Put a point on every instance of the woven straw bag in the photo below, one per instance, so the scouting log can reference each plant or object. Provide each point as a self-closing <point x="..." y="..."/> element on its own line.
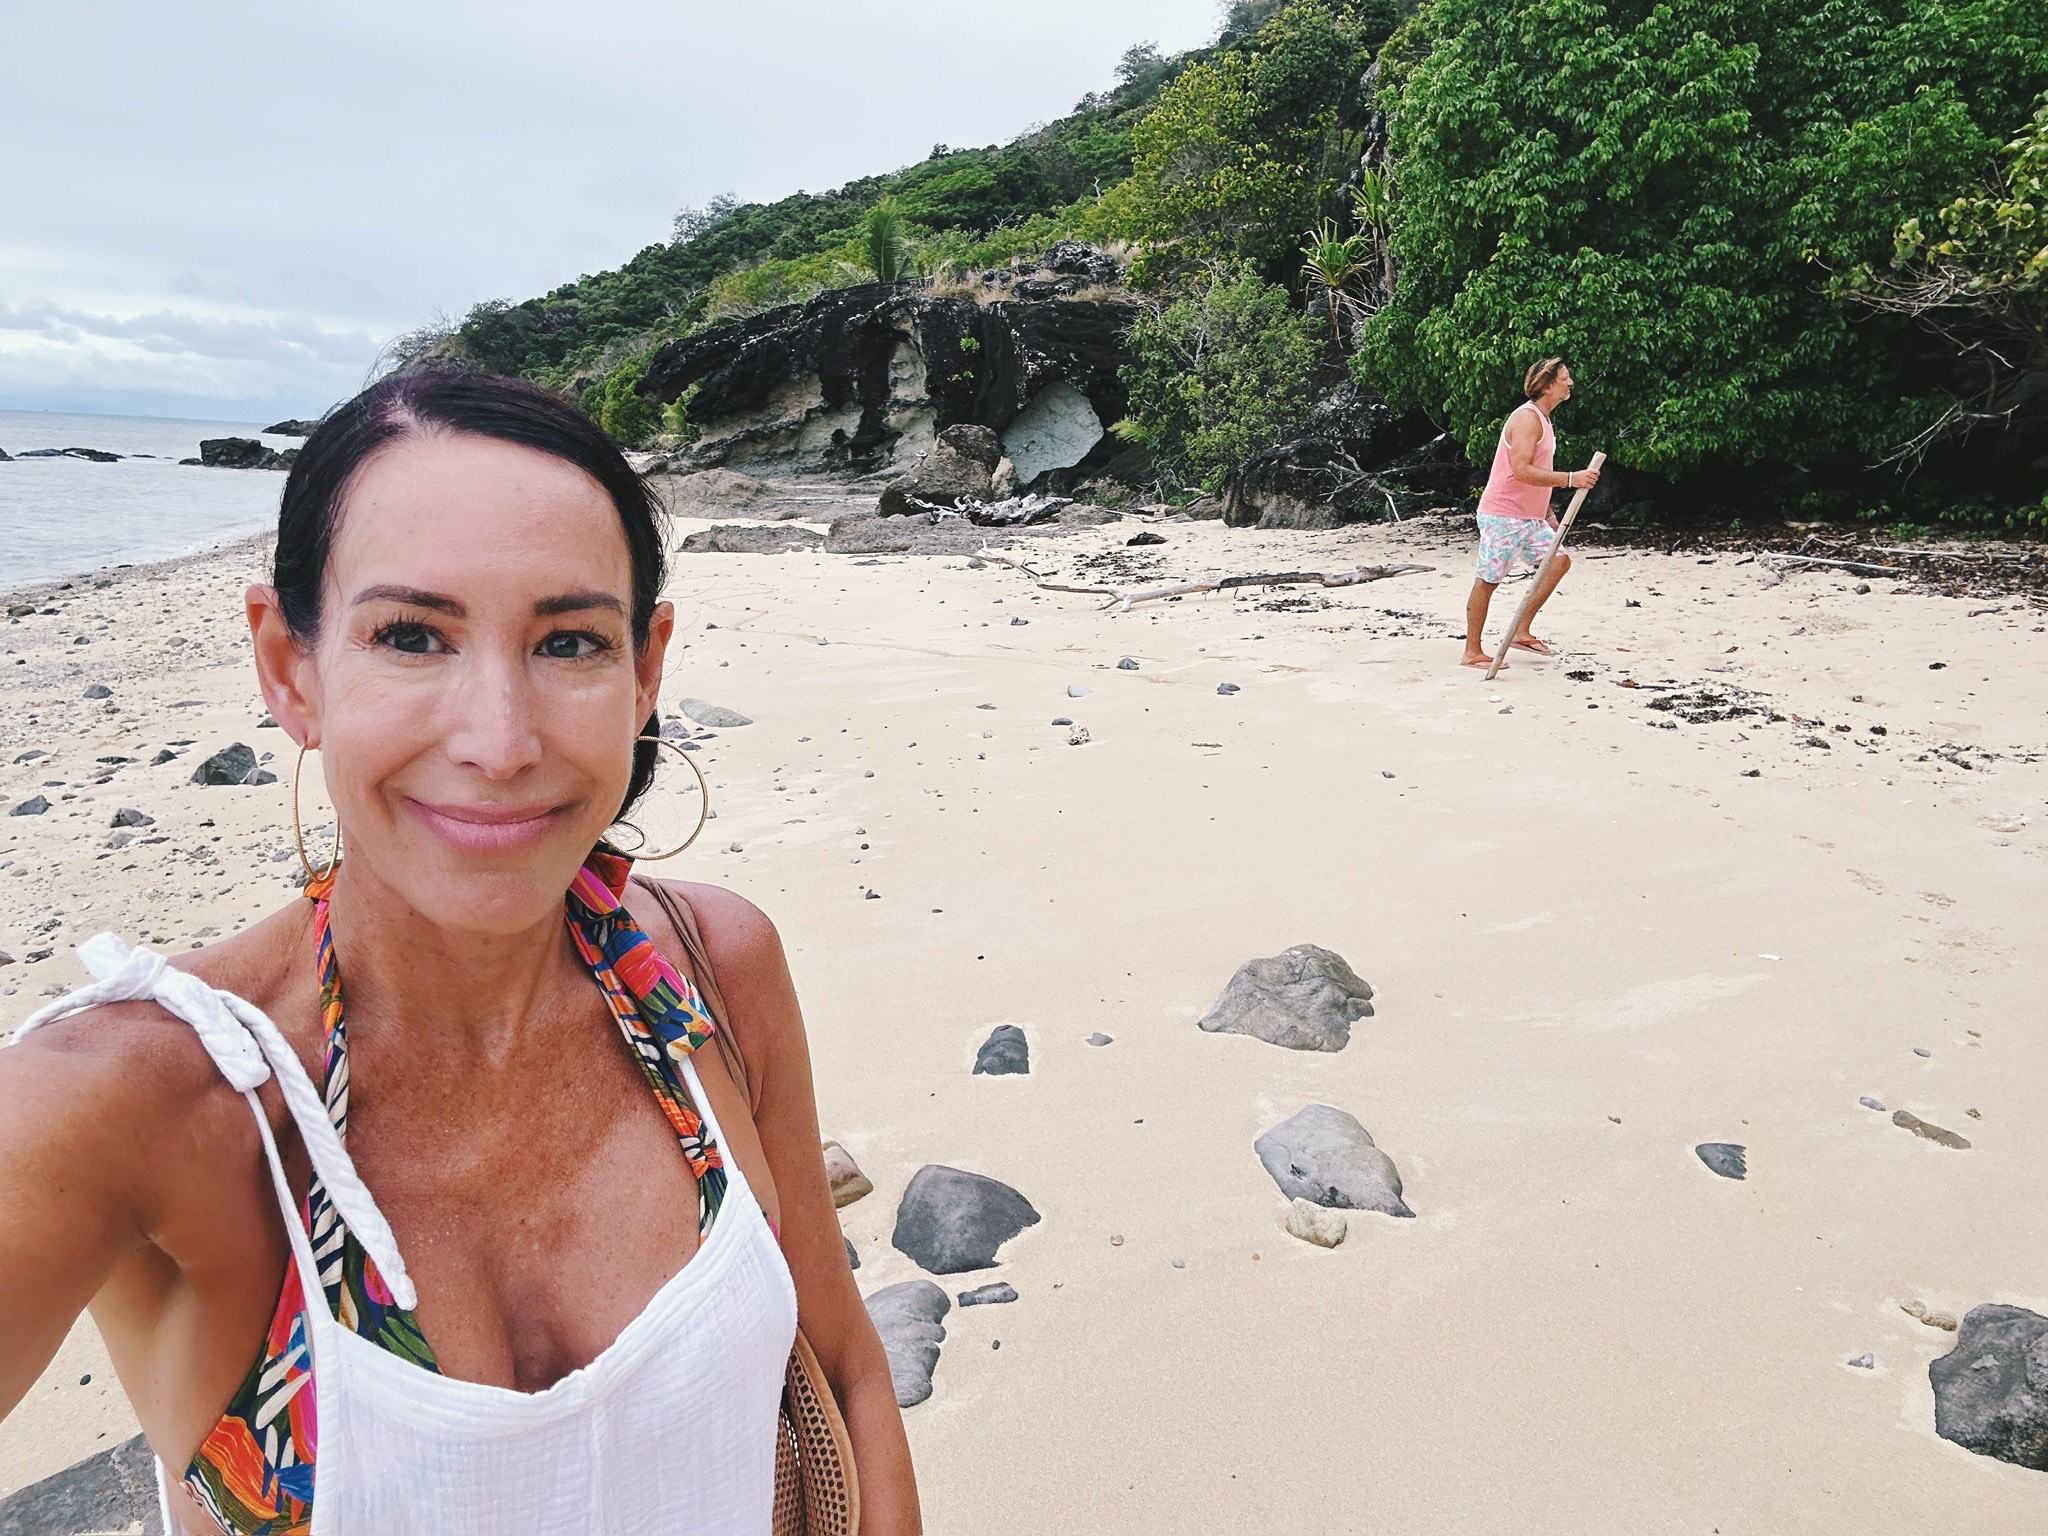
<point x="816" y="1490"/>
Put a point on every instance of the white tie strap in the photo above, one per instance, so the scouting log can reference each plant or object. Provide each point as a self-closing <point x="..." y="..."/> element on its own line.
<point x="248" y="1048"/>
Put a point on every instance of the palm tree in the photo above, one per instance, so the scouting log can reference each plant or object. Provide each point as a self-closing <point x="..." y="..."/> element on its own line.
<point x="1331" y="264"/>
<point x="888" y="248"/>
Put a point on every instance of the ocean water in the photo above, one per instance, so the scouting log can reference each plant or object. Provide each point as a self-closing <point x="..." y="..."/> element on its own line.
<point x="61" y="516"/>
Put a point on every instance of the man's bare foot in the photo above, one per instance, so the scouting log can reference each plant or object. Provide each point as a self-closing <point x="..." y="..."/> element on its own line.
<point x="1477" y="659"/>
<point x="1531" y="643"/>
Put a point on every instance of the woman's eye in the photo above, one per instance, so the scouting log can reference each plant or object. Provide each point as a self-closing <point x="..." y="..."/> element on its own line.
<point x="570" y="646"/>
<point x="412" y="639"/>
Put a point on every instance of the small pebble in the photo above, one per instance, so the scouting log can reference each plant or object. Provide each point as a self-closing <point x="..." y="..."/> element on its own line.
<point x="1078" y="691"/>
<point x="1869" y="1103"/>
<point x="1386" y="773"/>
<point x="1180" y="1263"/>
<point x="1099" y="1038"/>
<point x="1865" y="1362"/>
<point x="1227" y="688"/>
<point x="1014" y="622"/>
<point x="1116" y="1239"/>
<point x="1127" y="665"/>
<point x="1061" y="720"/>
<point x="1921" y="1050"/>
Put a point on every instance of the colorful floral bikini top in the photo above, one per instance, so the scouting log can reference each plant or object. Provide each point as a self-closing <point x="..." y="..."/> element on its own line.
<point x="254" y="1472"/>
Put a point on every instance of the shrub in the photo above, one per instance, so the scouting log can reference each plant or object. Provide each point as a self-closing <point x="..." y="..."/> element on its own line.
<point x="1219" y="373"/>
<point x="617" y="405"/>
<point x="1656" y="189"/>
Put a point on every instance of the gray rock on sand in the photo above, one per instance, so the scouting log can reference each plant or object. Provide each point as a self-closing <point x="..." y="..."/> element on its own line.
<point x="951" y="1221"/>
<point x="1228" y="688"/>
<point x="908" y="1317"/>
<point x="98" y="691"/>
<point x="113" y="1491"/>
<point x="133" y="818"/>
<point x="715" y="716"/>
<point x="995" y="1293"/>
<point x="752" y="539"/>
<point x="232" y="765"/>
<point x="1991" y="1390"/>
<point x="1099" y="1038"/>
<point x="1325" y="1156"/>
<point x="852" y="1257"/>
<point x="1305" y="998"/>
<point x="1726" y="1158"/>
<point x="1869" y="1103"/>
<point x="34" y="805"/>
<point x="1005" y="1053"/>
<point x="1313" y="1223"/>
<point x="843" y="1174"/>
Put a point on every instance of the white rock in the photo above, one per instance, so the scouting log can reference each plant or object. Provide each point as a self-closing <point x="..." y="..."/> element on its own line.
<point x="844" y="1175"/>
<point x="1312" y="1223"/>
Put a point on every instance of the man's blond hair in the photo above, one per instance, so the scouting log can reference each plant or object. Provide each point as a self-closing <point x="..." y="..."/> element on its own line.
<point x="1541" y="376"/>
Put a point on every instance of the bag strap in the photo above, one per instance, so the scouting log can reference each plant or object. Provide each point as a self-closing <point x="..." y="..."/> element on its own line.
<point x="684" y="921"/>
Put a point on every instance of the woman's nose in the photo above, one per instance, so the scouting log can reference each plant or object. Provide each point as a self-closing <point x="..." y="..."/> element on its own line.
<point x="490" y="717"/>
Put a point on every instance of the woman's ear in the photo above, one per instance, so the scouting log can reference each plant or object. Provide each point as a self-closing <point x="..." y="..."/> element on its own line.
<point x="283" y="667"/>
<point x="648" y="659"/>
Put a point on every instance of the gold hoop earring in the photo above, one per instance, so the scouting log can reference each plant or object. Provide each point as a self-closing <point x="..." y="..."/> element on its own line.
<point x="703" y="797"/>
<point x="299" y="830"/>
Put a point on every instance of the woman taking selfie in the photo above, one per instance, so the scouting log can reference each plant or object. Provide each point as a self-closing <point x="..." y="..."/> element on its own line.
<point x="502" y="1247"/>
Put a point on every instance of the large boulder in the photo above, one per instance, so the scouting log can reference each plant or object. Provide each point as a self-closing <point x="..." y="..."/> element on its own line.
<point x="232" y="765"/>
<point x="291" y="426"/>
<point x="1324" y="1155"/>
<point x="1328" y="474"/>
<point x="910" y="1319"/>
<point x="113" y="1491"/>
<point x="951" y="1221"/>
<point x="1991" y="1390"/>
<point x="958" y="469"/>
<point x="1305" y="998"/>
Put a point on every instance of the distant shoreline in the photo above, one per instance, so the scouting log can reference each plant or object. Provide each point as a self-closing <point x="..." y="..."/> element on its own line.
<point x="128" y="570"/>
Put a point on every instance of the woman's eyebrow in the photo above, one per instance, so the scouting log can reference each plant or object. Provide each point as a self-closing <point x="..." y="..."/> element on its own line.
<point x="576" y="602"/>
<point x="412" y="597"/>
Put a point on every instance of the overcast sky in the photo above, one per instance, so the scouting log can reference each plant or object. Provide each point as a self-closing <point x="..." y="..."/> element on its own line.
<point x="224" y="210"/>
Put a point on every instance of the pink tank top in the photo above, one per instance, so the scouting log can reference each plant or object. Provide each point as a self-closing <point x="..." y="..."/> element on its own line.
<point x="1505" y="496"/>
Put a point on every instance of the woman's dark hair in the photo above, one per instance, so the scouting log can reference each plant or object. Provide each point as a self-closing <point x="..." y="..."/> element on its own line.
<point x="483" y="405"/>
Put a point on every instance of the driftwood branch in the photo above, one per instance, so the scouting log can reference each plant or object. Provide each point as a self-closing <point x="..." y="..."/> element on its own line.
<point x="1775" y="562"/>
<point x="1124" y="599"/>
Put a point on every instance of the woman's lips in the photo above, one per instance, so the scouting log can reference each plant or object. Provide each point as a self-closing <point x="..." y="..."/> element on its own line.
<point x="488" y="828"/>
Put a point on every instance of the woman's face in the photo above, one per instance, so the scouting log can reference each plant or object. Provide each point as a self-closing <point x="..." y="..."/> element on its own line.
<point x="474" y="689"/>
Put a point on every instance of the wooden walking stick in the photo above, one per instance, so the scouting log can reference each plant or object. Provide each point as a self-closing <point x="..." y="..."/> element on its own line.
<point x="1556" y="544"/>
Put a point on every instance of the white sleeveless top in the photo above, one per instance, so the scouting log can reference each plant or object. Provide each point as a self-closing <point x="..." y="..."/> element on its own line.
<point x="670" y="1431"/>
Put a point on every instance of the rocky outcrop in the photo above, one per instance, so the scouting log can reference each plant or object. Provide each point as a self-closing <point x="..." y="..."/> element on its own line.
<point x="91" y="455"/>
<point x="243" y="453"/>
<point x="865" y="378"/>
<point x="1355" y="461"/>
<point x="751" y="539"/>
<point x="113" y="1491"/>
<point x="291" y="426"/>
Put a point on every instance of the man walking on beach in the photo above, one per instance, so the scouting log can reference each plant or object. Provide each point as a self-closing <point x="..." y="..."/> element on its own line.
<point x="1515" y="523"/>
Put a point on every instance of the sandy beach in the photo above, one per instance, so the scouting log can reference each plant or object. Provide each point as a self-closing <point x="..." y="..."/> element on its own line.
<point x="1600" y="929"/>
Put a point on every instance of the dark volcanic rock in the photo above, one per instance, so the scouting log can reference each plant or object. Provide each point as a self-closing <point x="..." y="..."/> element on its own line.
<point x="1991" y="1390"/>
<point x="865" y="377"/>
<point x="113" y="1491"/>
<point x="752" y="539"/>
<point x="243" y="453"/>
<point x="5" y="457"/>
<point x="1726" y="1158"/>
<point x="1324" y="1155"/>
<point x="232" y="765"/>
<point x="35" y="805"/>
<point x="952" y="1221"/>
<point x="291" y="426"/>
<point x="957" y="469"/>
<point x="93" y="455"/>
<point x="1005" y="1053"/>
<point x="1305" y="998"/>
<point x="909" y="1319"/>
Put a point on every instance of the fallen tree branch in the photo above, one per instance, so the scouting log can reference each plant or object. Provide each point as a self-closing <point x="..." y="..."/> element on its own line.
<point x="1775" y="561"/>
<point x="1123" y="600"/>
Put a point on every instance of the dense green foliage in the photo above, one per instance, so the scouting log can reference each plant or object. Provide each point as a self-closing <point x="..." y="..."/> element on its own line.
<point x="1658" y="190"/>
<point x="1219" y="373"/>
<point x="1248" y="148"/>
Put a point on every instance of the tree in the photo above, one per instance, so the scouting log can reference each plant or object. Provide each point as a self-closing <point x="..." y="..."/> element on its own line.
<point x="1248" y="148"/>
<point x="884" y="243"/>
<point x="1219" y="373"/>
<point x="1646" y="186"/>
<point x="1330" y="264"/>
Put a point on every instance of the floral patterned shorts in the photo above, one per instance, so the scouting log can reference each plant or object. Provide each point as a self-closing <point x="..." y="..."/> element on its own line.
<point x="1506" y="541"/>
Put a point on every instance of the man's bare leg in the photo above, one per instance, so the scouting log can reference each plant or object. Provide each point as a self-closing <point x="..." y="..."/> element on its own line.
<point x="1545" y="585"/>
<point x="1475" y="623"/>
